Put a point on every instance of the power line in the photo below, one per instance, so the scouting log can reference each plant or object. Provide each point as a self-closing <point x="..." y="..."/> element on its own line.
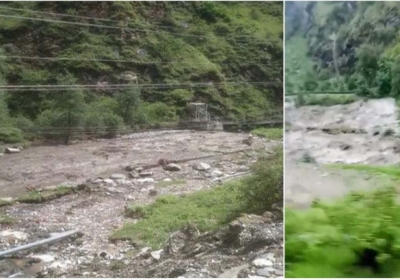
<point x="94" y="18"/>
<point x="125" y="86"/>
<point x="107" y="26"/>
<point x="131" y="85"/>
<point x="131" y="61"/>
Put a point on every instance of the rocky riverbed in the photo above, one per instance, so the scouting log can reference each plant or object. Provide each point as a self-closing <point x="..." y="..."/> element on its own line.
<point x="109" y="175"/>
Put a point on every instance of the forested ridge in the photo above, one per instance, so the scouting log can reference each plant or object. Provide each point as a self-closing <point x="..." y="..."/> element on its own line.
<point x="343" y="46"/>
<point x="140" y="62"/>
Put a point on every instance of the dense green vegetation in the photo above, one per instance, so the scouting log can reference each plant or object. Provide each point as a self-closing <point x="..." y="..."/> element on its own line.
<point x="327" y="240"/>
<point x="208" y="209"/>
<point x="170" y="43"/>
<point x="343" y="46"/>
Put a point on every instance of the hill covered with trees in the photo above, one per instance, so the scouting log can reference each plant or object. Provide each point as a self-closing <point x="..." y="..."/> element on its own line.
<point x="343" y="46"/>
<point x="140" y="63"/>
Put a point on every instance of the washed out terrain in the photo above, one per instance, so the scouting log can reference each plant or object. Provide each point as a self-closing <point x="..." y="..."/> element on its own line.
<point x="107" y="177"/>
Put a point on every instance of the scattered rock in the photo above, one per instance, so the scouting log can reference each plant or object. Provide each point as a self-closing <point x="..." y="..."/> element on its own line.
<point x="344" y="147"/>
<point x="16" y="235"/>
<point x="217" y="173"/>
<point x="248" y="141"/>
<point x="263" y="272"/>
<point x="156" y="254"/>
<point x="233" y="272"/>
<point x="146" y="174"/>
<point x="108" y="181"/>
<point x="117" y="176"/>
<point x="262" y="263"/>
<point x="1" y="155"/>
<point x="201" y="166"/>
<point x="11" y="151"/>
<point x="177" y="273"/>
<point x="153" y="192"/>
<point x="43" y="258"/>
<point x="97" y="181"/>
<point x="129" y="168"/>
<point x="172" y="167"/>
<point x="61" y="265"/>
<point x="82" y="187"/>
<point x="145" y="180"/>
<point x="176" y="242"/>
<point x="145" y="249"/>
<point x="134" y="174"/>
<point x="167" y="180"/>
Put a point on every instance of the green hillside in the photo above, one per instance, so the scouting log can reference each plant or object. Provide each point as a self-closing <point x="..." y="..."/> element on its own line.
<point x="219" y="48"/>
<point x="344" y="46"/>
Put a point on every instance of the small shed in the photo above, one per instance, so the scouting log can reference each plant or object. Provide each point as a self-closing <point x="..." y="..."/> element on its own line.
<point x="198" y="111"/>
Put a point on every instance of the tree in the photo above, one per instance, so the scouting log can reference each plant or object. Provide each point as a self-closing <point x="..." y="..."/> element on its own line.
<point x="129" y="102"/>
<point x="368" y="62"/>
<point x="395" y="86"/>
<point x="68" y="108"/>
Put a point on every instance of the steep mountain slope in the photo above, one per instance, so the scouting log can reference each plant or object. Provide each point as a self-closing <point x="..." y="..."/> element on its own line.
<point x="223" y="44"/>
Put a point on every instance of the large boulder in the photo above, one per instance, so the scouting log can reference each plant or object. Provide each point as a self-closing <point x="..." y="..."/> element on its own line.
<point x="172" y="167"/>
<point x="201" y="166"/>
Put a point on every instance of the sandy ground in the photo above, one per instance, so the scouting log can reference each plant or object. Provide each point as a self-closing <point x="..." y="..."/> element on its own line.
<point x="348" y="134"/>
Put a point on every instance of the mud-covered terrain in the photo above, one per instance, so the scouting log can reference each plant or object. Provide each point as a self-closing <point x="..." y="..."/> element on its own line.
<point x="116" y="173"/>
<point x="364" y="132"/>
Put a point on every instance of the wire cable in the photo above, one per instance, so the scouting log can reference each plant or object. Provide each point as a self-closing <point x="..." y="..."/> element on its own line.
<point x="110" y="27"/>
<point x="125" y="86"/>
<point x="95" y="18"/>
<point x="129" y="61"/>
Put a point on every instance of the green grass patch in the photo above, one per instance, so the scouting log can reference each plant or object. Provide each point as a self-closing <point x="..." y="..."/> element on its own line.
<point x="208" y="209"/>
<point x="43" y="196"/>
<point x="392" y="171"/>
<point x="6" y="220"/>
<point x="269" y="133"/>
<point x="5" y="203"/>
<point x="174" y="182"/>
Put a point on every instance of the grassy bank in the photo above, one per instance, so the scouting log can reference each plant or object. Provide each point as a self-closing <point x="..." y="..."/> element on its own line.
<point x="334" y="240"/>
<point x="207" y="209"/>
<point x="269" y="133"/>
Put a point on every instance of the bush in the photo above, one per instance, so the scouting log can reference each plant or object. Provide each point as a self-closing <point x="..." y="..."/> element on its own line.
<point x="265" y="188"/>
<point x="112" y="122"/>
<point x="160" y="112"/>
<point x="11" y="135"/>
<point x="100" y="120"/>
<point x="27" y="126"/>
<point x="54" y="124"/>
<point x="310" y="85"/>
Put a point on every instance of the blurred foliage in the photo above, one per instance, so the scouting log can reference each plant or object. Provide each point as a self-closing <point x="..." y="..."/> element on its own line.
<point x="364" y="36"/>
<point x="328" y="239"/>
